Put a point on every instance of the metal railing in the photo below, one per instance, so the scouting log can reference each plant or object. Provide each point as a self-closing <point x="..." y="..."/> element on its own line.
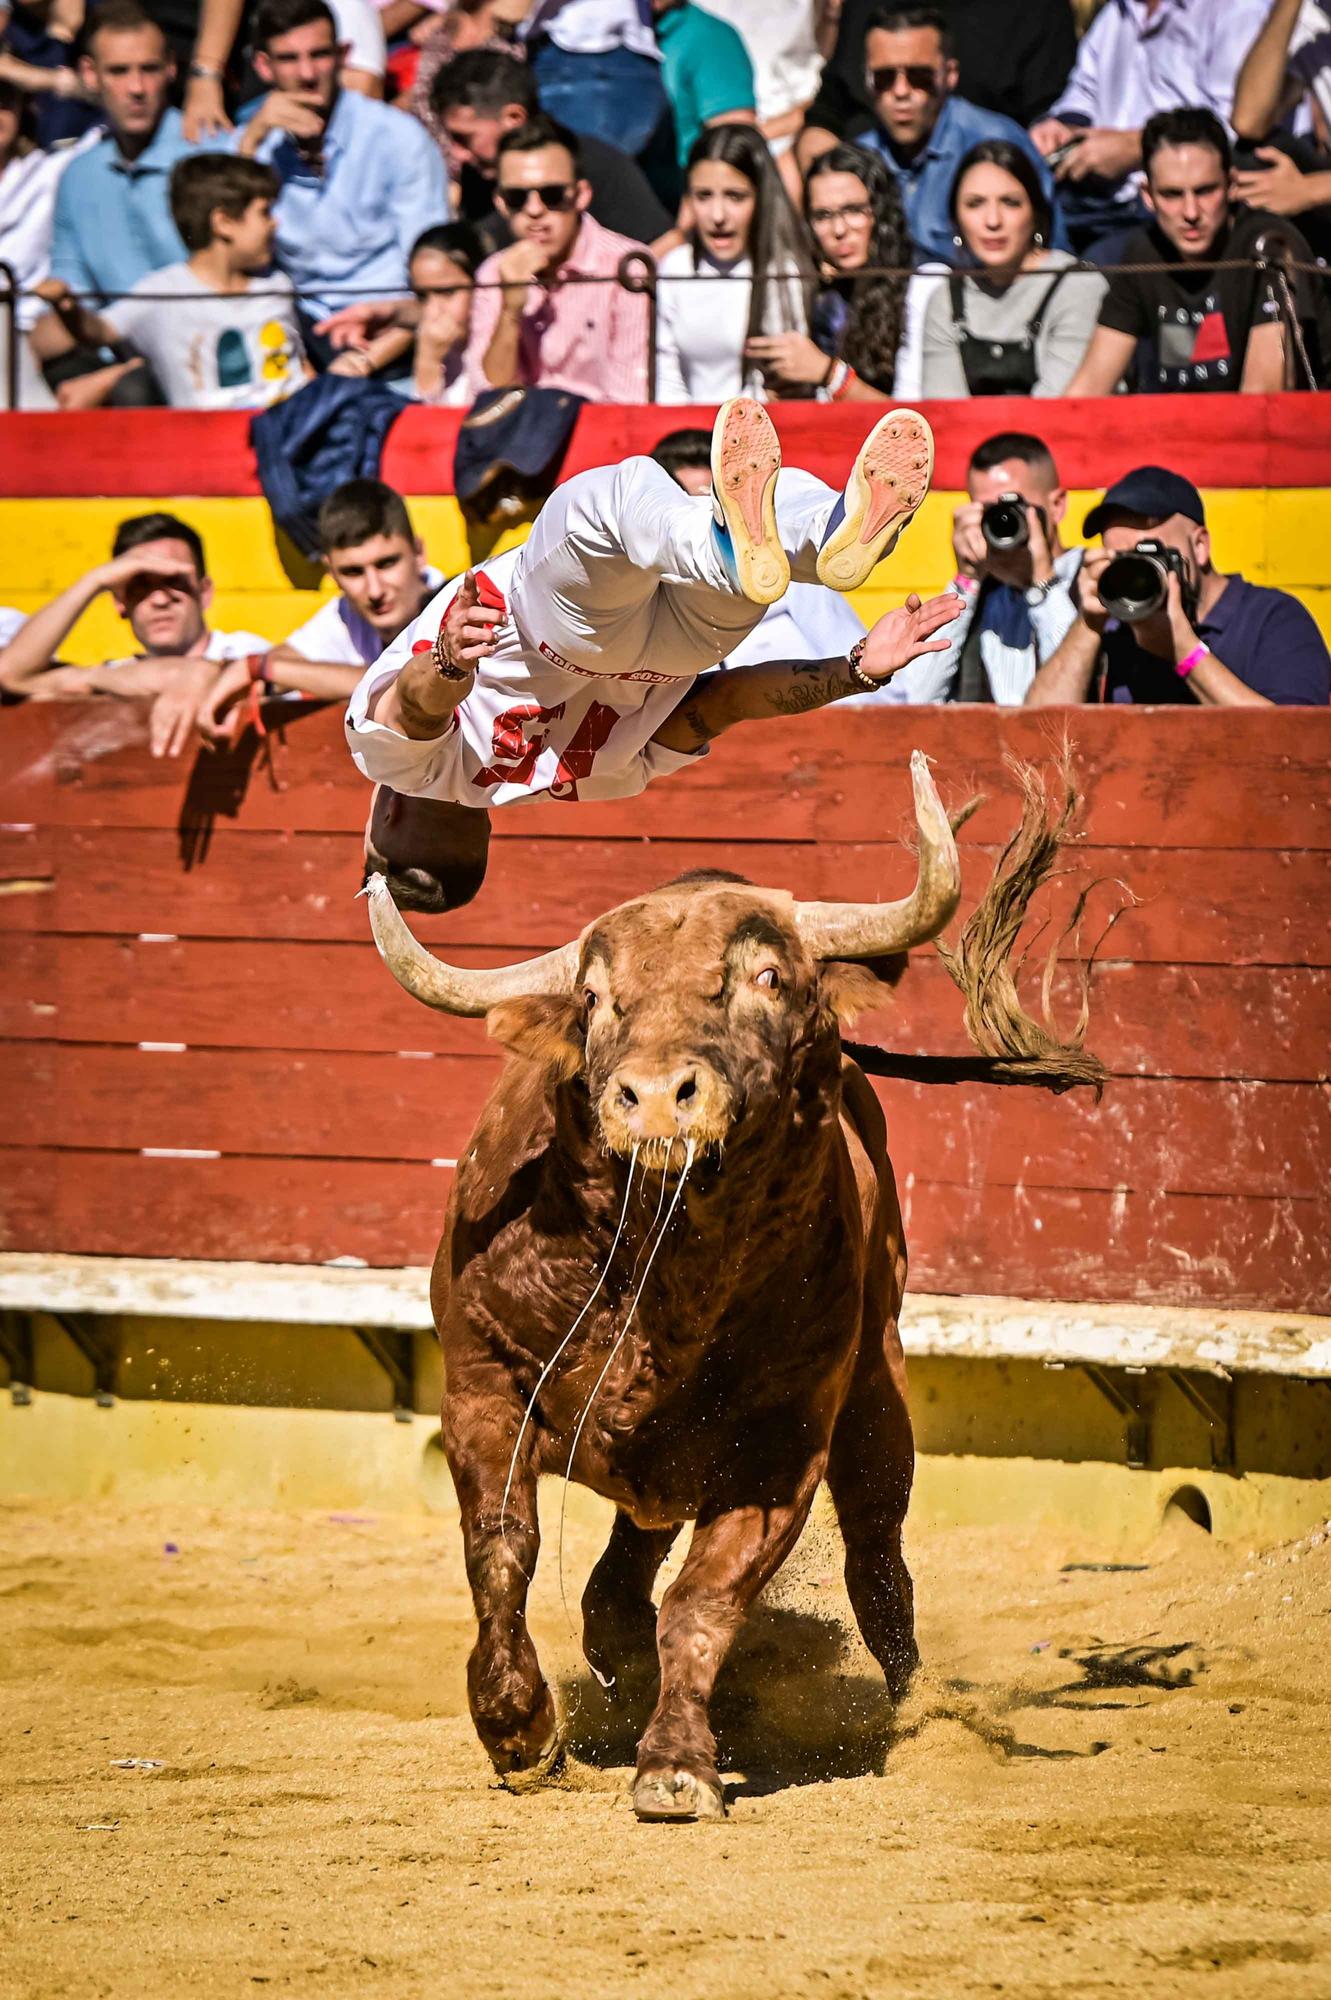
<point x="638" y="276"/>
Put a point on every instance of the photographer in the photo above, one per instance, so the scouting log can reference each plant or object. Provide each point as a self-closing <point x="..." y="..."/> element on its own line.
<point x="1014" y="578"/>
<point x="1164" y="626"/>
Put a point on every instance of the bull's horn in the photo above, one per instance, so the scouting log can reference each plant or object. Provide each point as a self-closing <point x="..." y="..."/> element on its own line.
<point x="454" y="988"/>
<point x="871" y="930"/>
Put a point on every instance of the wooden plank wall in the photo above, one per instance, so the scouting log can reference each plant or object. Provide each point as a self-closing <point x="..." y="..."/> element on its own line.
<point x="201" y="1056"/>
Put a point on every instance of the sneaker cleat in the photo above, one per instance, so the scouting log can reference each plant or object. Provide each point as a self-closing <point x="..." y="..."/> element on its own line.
<point x="746" y="457"/>
<point x="887" y="485"/>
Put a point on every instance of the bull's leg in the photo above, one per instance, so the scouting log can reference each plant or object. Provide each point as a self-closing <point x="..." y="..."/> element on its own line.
<point x="511" y="1705"/>
<point x="732" y="1556"/>
<point x="618" y="1616"/>
<point x="869" y="1471"/>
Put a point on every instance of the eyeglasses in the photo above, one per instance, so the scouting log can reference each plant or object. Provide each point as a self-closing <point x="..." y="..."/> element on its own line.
<point x="854" y="211"/>
<point x="555" y="195"/>
<point x="919" y="76"/>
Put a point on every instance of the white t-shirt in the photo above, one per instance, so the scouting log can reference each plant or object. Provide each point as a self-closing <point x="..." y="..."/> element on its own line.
<point x="702" y="323"/>
<point x="359" y="26"/>
<point x="210" y="350"/>
<point x="528" y="729"/>
<point x="778" y="35"/>
<point x="338" y="634"/>
<point x="11" y="622"/>
<point x="27" y="216"/>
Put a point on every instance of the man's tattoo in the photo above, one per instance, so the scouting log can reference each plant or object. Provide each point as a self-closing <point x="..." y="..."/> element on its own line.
<point x="701" y="729"/>
<point x="807" y="666"/>
<point x="804" y="700"/>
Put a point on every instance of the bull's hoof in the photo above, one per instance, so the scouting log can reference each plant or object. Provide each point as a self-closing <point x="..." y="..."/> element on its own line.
<point x="532" y="1748"/>
<point x="677" y="1795"/>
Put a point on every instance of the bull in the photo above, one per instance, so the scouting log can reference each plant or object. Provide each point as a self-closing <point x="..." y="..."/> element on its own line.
<point x="671" y="1270"/>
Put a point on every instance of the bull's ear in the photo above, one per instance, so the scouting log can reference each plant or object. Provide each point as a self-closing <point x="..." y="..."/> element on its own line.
<point x="850" y="990"/>
<point x="542" y="1027"/>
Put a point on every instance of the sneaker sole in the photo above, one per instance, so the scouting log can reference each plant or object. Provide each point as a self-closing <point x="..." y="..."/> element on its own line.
<point x="886" y="488"/>
<point x="746" y="457"/>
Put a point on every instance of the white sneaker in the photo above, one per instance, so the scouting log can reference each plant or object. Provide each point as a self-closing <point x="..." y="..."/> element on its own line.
<point x="746" y="457"/>
<point x="886" y="488"/>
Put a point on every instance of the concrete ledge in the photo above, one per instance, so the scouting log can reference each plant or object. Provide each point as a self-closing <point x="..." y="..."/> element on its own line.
<point x="1213" y="1342"/>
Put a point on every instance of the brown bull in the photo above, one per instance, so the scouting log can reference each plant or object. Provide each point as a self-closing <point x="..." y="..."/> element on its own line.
<point x="671" y="1270"/>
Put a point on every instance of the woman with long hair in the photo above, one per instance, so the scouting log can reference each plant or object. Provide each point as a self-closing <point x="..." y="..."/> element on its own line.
<point x="744" y="275"/>
<point x="1017" y="321"/>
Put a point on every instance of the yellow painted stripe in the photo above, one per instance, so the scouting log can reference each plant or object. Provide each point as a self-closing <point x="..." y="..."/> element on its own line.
<point x="1280" y="537"/>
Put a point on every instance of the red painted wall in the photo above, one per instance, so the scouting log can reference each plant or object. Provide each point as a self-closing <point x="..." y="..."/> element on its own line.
<point x="147" y="903"/>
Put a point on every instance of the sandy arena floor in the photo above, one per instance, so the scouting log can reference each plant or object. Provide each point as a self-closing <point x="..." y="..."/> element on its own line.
<point x="1108" y="1783"/>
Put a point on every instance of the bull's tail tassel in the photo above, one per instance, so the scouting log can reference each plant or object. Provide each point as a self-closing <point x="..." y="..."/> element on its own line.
<point x="987" y="961"/>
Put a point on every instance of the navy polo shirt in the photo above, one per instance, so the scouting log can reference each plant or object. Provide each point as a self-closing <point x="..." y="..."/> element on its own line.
<point x="1266" y="637"/>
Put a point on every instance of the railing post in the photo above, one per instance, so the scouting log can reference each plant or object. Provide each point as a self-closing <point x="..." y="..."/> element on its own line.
<point x="637" y="273"/>
<point x="9" y="279"/>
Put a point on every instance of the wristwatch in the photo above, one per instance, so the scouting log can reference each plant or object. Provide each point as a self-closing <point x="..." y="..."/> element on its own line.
<point x="1036" y="593"/>
<point x="206" y="72"/>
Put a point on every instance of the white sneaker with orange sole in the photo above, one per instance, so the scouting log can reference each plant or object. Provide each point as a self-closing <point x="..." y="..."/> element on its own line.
<point x="886" y="488"/>
<point x="746" y="457"/>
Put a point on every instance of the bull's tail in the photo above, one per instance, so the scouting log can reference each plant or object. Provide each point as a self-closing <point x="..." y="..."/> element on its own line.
<point x="987" y="961"/>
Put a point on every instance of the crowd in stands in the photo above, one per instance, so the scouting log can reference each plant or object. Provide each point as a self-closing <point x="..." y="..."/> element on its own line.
<point x="205" y="203"/>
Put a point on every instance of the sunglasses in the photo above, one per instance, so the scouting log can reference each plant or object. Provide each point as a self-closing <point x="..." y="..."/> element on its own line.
<point x="919" y="76"/>
<point x="555" y="195"/>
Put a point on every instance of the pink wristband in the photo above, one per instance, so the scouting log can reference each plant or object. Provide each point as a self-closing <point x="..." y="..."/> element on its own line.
<point x="1190" y="660"/>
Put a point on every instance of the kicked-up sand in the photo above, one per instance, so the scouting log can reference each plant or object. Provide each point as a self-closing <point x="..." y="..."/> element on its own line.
<point x="237" y="1760"/>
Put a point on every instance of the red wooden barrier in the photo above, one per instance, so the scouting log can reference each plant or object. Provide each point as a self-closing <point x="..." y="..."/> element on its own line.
<point x="319" y="1109"/>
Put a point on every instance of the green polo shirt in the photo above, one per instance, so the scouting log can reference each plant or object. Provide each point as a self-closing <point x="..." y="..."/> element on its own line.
<point x="707" y="70"/>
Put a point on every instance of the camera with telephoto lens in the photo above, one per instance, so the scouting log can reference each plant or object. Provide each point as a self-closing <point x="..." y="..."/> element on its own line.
<point x="1135" y="585"/>
<point x="1004" y="524"/>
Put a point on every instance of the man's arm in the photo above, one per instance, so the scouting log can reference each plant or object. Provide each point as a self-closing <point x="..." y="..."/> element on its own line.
<point x="798" y="687"/>
<point x="419" y="702"/>
<point x="34" y="646"/>
<point x="205" y="105"/>
<point x="1065" y="678"/>
<point x="1263" y="91"/>
<point x="1264" y="371"/>
<point x="1107" y="360"/>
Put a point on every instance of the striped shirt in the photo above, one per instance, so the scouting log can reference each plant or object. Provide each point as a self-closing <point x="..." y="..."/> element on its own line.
<point x="590" y="339"/>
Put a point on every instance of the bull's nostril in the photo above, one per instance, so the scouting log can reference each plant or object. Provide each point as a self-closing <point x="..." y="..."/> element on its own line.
<point x="628" y="1097"/>
<point x="687" y="1089"/>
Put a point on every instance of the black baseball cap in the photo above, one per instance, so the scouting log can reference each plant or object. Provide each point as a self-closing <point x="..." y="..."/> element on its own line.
<point x="1149" y="490"/>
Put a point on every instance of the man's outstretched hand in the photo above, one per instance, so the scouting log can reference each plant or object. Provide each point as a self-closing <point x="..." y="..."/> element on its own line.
<point x="469" y="626"/>
<point x="902" y="636"/>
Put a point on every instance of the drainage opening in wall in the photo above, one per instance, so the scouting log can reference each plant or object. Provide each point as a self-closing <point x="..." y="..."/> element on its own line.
<point x="1188" y="1503"/>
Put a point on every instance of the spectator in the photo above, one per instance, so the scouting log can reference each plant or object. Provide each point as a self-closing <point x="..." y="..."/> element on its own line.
<point x="28" y="182"/>
<point x="378" y="563"/>
<point x="854" y="212"/>
<point x="159" y="581"/>
<point x="1013" y="57"/>
<point x="707" y="72"/>
<point x="213" y="338"/>
<point x="1219" y="640"/>
<point x="1007" y="328"/>
<point x="1289" y="62"/>
<point x="733" y="302"/>
<point x="1137" y="58"/>
<point x="113" y="220"/>
<point x="780" y="40"/>
<point x="37" y="39"/>
<point x="1200" y="328"/>
<point x="922" y="129"/>
<point x="1017" y="602"/>
<point x="435" y="320"/>
<point x="544" y="323"/>
<point x="358" y="179"/>
<point x="597" y="68"/>
<point x="207" y="35"/>
<point x="809" y="622"/>
<point x="482" y="95"/>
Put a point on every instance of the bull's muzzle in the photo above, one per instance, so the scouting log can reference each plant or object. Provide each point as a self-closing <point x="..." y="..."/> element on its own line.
<point x="651" y="1107"/>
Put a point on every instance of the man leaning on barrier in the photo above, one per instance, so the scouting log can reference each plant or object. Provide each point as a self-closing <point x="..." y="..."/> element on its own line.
<point x="1157" y="622"/>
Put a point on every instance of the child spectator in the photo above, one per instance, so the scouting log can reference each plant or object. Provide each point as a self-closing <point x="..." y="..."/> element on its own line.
<point x="535" y="319"/>
<point x="1191" y="326"/>
<point x="214" y="338"/>
<point x="729" y="298"/>
<point x="433" y="323"/>
<point x="1019" y="324"/>
<point x="113" y="221"/>
<point x="377" y="561"/>
<point x="159" y="581"/>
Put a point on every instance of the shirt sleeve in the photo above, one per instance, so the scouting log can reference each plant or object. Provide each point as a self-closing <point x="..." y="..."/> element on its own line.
<point x="943" y="373"/>
<point x="484" y="319"/>
<point x="1123" y="306"/>
<point x="419" y="194"/>
<point x="1066" y="332"/>
<point x="724" y="82"/>
<point x="325" y="637"/>
<point x="1288" y="662"/>
<point x="1080" y="102"/>
<point x="429" y="767"/>
<point x="67" y="258"/>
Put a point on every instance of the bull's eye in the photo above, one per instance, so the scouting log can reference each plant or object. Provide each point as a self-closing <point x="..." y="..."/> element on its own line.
<point x="589" y="998"/>
<point x="769" y="978"/>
